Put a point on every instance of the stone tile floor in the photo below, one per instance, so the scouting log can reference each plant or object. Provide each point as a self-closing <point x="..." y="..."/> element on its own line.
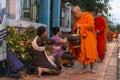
<point x="105" y="71"/>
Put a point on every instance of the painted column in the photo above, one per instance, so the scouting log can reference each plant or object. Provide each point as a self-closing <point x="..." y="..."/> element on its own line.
<point x="45" y="13"/>
<point x="56" y="13"/>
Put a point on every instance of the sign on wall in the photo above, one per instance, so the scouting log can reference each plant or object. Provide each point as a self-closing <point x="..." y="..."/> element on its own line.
<point x="21" y="23"/>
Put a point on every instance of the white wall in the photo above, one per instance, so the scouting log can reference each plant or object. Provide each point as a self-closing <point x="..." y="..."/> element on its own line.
<point x="3" y="3"/>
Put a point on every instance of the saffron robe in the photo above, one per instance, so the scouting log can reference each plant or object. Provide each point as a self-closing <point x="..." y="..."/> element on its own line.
<point x="115" y="35"/>
<point x="100" y="24"/>
<point x="88" y="50"/>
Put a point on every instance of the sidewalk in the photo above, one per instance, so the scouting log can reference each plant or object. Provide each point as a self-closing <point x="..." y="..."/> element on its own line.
<point x="105" y="71"/>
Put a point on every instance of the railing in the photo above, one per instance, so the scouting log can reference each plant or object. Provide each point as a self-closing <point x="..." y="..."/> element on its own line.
<point x="3" y="33"/>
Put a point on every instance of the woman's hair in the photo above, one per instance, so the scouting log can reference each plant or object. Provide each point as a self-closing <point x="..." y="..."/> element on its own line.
<point x="40" y="30"/>
<point x="55" y="30"/>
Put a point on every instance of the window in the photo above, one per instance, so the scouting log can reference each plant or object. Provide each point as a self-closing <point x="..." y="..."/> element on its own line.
<point x="31" y="10"/>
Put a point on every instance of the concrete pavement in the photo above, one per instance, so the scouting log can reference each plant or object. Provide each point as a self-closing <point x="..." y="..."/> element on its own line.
<point x="105" y="71"/>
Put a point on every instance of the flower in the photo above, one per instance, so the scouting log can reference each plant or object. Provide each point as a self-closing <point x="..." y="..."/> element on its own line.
<point x="21" y="44"/>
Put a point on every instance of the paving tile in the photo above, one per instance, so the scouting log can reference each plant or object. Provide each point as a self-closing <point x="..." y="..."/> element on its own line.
<point x="112" y="69"/>
<point x="100" y="78"/>
<point x="110" y="78"/>
<point x="113" y="62"/>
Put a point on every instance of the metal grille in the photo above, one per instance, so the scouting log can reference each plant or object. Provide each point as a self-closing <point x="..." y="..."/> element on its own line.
<point x="31" y="10"/>
<point x="66" y="17"/>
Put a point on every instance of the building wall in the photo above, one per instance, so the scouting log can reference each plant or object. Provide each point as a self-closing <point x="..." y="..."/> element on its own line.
<point x="11" y="5"/>
<point x="2" y="4"/>
<point x="44" y="12"/>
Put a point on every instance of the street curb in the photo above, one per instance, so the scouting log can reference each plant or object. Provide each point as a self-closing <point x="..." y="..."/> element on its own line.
<point x="118" y="60"/>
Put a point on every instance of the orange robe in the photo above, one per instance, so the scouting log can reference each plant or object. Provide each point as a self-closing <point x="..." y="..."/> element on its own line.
<point x="75" y="51"/>
<point x="115" y="35"/>
<point x="100" y="24"/>
<point x="88" y="50"/>
<point x="110" y="35"/>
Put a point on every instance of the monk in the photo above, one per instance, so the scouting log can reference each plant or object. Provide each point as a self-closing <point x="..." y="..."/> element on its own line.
<point x="100" y="26"/>
<point x="110" y="36"/>
<point x="88" y="50"/>
<point x="107" y="30"/>
<point x="115" y="35"/>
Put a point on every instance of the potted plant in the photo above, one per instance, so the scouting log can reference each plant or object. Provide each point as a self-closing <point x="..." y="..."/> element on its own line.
<point x="19" y="41"/>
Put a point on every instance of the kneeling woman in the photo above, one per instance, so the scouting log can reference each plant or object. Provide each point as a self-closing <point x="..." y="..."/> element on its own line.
<point x="43" y="58"/>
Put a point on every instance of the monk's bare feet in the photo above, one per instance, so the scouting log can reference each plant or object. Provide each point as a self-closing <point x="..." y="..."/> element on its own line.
<point x="83" y="71"/>
<point x="101" y="61"/>
<point x="93" y="71"/>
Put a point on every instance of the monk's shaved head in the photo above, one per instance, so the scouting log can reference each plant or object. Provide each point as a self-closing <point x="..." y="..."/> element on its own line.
<point x="76" y="8"/>
<point x="99" y="14"/>
<point x="77" y="11"/>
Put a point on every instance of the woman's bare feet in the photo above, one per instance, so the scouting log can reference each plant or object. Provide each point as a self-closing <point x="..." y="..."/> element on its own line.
<point x="39" y="76"/>
<point x="40" y="70"/>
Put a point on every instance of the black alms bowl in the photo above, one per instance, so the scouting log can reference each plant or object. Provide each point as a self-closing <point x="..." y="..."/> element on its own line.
<point x="73" y="37"/>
